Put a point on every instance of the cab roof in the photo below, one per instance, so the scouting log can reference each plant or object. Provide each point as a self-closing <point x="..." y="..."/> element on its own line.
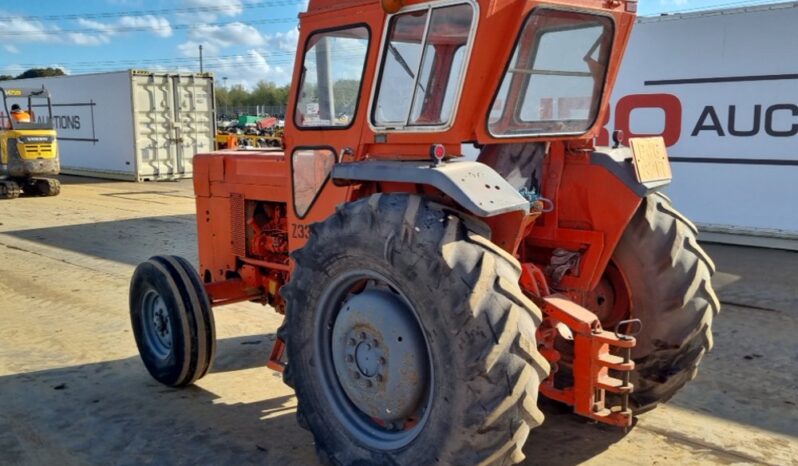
<point x="24" y="92"/>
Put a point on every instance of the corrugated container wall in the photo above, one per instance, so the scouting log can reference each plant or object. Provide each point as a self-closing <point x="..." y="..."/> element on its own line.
<point x="131" y="125"/>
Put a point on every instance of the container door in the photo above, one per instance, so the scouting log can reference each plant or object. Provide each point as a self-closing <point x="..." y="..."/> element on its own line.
<point x="154" y="123"/>
<point x="194" y="119"/>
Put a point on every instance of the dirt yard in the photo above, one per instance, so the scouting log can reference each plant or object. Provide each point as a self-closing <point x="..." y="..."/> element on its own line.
<point x="73" y="390"/>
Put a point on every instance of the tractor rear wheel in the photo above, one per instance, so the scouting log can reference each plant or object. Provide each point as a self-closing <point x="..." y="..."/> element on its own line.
<point x="409" y="340"/>
<point x="668" y="276"/>
<point x="172" y="320"/>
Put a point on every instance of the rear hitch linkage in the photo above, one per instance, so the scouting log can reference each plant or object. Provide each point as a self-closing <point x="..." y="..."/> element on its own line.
<point x="596" y="352"/>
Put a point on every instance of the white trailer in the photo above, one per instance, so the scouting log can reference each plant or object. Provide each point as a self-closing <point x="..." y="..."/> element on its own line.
<point x="722" y="88"/>
<point x="131" y="125"/>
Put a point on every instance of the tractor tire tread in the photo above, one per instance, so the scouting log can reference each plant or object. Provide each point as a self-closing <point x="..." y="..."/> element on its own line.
<point x="483" y="305"/>
<point x="197" y="327"/>
<point x="198" y="344"/>
<point x="681" y="306"/>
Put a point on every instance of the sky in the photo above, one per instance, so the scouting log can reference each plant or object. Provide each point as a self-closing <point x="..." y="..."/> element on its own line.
<point x="245" y="41"/>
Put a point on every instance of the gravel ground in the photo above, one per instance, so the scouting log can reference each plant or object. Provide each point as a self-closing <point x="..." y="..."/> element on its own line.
<point x="73" y="390"/>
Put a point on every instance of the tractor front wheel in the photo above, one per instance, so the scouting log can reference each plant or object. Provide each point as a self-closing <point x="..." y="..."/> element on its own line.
<point x="409" y="340"/>
<point x="172" y="320"/>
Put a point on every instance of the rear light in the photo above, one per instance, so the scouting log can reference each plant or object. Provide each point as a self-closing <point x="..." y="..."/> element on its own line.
<point x="437" y="153"/>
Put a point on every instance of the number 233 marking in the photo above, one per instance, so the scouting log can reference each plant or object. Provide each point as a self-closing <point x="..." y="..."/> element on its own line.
<point x="300" y="231"/>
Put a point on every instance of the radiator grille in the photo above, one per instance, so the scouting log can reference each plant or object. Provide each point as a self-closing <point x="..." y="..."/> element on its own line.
<point x="238" y="225"/>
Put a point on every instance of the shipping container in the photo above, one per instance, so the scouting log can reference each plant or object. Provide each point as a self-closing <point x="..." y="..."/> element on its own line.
<point x="131" y="125"/>
<point x="722" y="88"/>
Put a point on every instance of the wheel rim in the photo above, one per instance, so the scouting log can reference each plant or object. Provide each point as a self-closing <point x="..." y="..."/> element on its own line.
<point x="156" y="324"/>
<point x="375" y="367"/>
<point x="611" y="299"/>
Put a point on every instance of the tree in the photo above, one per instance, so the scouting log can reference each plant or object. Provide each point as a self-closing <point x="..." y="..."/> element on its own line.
<point x="345" y="94"/>
<point x="5" y="77"/>
<point x="265" y="93"/>
<point x="41" y="73"/>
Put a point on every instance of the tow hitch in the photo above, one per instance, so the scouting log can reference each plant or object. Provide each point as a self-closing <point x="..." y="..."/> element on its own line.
<point x="596" y="352"/>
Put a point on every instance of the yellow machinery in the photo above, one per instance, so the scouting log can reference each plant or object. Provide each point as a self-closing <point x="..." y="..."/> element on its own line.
<point x="28" y="146"/>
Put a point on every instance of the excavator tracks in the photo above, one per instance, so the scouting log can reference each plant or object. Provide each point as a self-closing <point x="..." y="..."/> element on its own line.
<point x="43" y="187"/>
<point x="9" y="189"/>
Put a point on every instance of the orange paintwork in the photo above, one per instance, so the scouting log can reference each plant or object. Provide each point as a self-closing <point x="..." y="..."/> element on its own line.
<point x="592" y="207"/>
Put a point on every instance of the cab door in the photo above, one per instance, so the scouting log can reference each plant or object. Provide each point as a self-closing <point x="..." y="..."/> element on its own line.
<point x="325" y="118"/>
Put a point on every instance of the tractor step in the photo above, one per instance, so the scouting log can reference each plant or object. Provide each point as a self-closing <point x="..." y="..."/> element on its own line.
<point x="615" y="363"/>
<point x="613" y="385"/>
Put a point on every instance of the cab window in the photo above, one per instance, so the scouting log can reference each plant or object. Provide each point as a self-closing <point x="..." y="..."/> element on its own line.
<point x="332" y="72"/>
<point x="311" y="169"/>
<point x="423" y="67"/>
<point x="554" y="81"/>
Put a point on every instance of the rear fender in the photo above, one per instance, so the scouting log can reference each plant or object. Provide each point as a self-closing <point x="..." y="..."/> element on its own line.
<point x="474" y="186"/>
<point x="618" y="161"/>
<point x="595" y="197"/>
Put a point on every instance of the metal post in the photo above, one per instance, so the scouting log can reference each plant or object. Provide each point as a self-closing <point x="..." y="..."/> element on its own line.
<point x="200" y="53"/>
<point x="325" y="81"/>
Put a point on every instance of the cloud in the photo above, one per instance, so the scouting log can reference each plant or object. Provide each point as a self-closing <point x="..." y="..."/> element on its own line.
<point x="102" y="36"/>
<point x="12" y="70"/>
<point x="214" y="38"/>
<point x="191" y="49"/>
<point x="101" y="28"/>
<point x="215" y="9"/>
<point x="248" y="69"/>
<point x="272" y="60"/>
<point x="80" y="38"/>
<point x="283" y="41"/>
<point x="96" y="32"/>
<point x="158" y="25"/>
<point x="25" y="30"/>
<point x="10" y="48"/>
<point x="228" y="34"/>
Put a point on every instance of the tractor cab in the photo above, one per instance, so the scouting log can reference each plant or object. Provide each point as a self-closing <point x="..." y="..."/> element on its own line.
<point x="453" y="72"/>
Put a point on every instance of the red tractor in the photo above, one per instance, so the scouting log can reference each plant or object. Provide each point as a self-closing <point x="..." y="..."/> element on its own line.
<point x="429" y="299"/>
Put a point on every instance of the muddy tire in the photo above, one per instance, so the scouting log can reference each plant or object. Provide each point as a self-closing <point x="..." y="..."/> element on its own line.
<point x="172" y="320"/>
<point x="669" y="276"/>
<point x="467" y="378"/>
